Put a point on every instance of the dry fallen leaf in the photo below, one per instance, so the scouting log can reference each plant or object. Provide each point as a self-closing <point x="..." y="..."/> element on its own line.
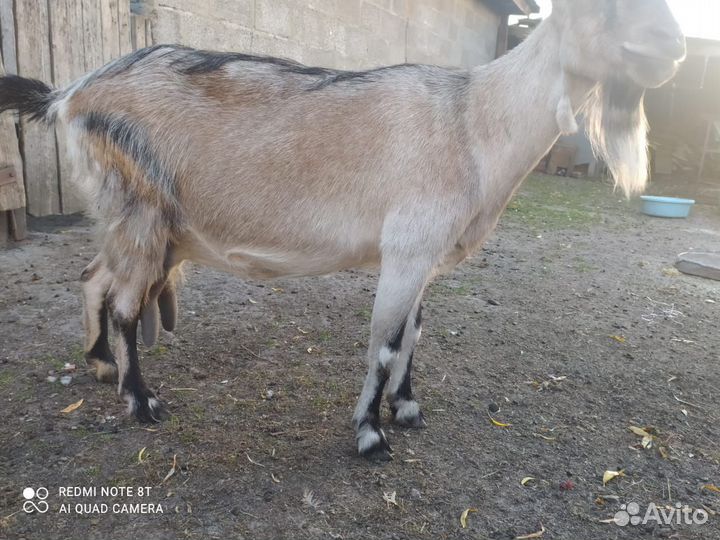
<point x="611" y="475"/>
<point x="533" y="535"/>
<point x="171" y="471"/>
<point x="73" y="407"/>
<point x="496" y="423"/>
<point x="640" y="432"/>
<point x="619" y="339"/>
<point x="647" y="437"/>
<point x="526" y="480"/>
<point x="464" y="517"/>
<point x="390" y="498"/>
<point x="711" y="487"/>
<point x="141" y="454"/>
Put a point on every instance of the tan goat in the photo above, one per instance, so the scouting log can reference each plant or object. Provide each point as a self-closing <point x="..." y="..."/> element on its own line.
<point x="264" y="168"/>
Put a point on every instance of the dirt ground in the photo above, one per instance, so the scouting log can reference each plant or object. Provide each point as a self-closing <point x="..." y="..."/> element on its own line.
<point x="571" y="322"/>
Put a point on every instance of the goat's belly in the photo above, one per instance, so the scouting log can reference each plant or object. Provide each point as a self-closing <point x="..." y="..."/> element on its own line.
<point x="274" y="262"/>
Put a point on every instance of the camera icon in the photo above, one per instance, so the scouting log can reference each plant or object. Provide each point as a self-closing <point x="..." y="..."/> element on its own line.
<point x="30" y="494"/>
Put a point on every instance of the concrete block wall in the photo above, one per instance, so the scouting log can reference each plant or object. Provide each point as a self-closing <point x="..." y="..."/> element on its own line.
<point x="346" y="34"/>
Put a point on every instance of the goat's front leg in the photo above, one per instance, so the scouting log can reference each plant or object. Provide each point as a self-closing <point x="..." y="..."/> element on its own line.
<point x="405" y="409"/>
<point x="125" y="299"/>
<point x="400" y="285"/>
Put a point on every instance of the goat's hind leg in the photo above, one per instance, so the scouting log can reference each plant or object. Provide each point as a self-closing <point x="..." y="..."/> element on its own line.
<point x="126" y="298"/>
<point x="96" y="280"/>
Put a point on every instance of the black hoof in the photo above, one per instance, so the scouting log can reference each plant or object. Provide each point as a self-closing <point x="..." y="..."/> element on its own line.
<point x="414" y="422"/>
<point x="372" y="443"/>
<point x="146" y="407"/>
<point x="408" y="414"/>
<point x="378" y="455"/>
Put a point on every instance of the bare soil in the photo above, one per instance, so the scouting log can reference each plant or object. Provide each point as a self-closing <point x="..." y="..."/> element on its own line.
<point x="571" y="322"/>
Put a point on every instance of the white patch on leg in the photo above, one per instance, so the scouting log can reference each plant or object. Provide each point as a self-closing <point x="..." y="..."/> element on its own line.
<point x="407" y="411"/>
<point x="154" y="404"/>
<point x="387" y="356"/>
<point x="367" y="438"/>
<point x="131" y="403"/>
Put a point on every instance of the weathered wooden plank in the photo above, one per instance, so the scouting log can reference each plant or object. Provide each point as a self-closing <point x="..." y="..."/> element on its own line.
<point x="4" y="228"/>
<point x="92" y="34"/>
<point x="39" y="148"/>
<point x="137" y="30"/>
<point x="12" y="190"/>
<point x="148" y="32"/>
<point x="124" y="26"/>
<point x="7" y="30"/>
<point x="18" y="224"/>
<point x="66" y="24"/>
<point x="110" y="26"/>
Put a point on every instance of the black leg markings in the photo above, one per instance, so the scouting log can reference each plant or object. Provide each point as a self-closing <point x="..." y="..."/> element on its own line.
<point x="380" y="450"/>
<point x="396" y="342"/>
<point x="100" y="356"/>
<point x="144" y="404"/>
<point x="101" y="349"/>
<point x="405" y="388"/>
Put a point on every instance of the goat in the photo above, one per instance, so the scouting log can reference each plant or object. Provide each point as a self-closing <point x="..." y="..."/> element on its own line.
<point x="264" y="168"/>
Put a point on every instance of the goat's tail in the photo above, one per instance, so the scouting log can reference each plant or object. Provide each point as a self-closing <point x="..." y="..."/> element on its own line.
<point x="29" y="97"/>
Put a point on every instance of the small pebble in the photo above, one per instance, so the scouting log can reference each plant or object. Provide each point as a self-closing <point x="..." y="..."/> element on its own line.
<point x="493" y="302"/>
<point x="493" y="407"/>
<point x="65" y="380"/>
<point x="52" y="378"/>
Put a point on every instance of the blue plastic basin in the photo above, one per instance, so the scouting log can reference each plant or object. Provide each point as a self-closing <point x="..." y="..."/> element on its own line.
<point x="667" y="207"/>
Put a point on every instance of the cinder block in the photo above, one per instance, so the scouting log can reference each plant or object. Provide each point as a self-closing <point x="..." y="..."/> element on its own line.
<point x="355" y="46"/>
<point x="187" y="28"/>
<point x="270" y="45"/>
<point x="279" y="17"/>
<point x="318" y="30"/>
<point x="319" y="58"/>
<point x="348" y="11"/>
<point x="400" y="7"/>
<point x="392" y="28"/>
<point x="371" y="16"/>
<point x="328" y="7"/>
<point x="239" y="12"/>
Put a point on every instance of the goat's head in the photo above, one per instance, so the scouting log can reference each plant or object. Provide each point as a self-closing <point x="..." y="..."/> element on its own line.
<point x="639" y="40"/>
<point x="625" y="46"/>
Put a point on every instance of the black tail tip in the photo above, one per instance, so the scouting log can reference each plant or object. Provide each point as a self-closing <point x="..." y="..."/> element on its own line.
<point x="29" y="97"/>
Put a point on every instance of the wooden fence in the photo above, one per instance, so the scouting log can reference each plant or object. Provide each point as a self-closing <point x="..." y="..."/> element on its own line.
<point x="57" y="42"/>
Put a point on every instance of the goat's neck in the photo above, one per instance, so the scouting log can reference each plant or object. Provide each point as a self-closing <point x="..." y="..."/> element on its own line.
<point x="513" y="112"/>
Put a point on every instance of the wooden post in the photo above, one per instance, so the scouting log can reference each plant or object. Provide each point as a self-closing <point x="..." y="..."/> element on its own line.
<point x="12" y="192"/>
<point x="67" y="59"/>
<point x="7" y="30"/>
<point x="38" y="142"/>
